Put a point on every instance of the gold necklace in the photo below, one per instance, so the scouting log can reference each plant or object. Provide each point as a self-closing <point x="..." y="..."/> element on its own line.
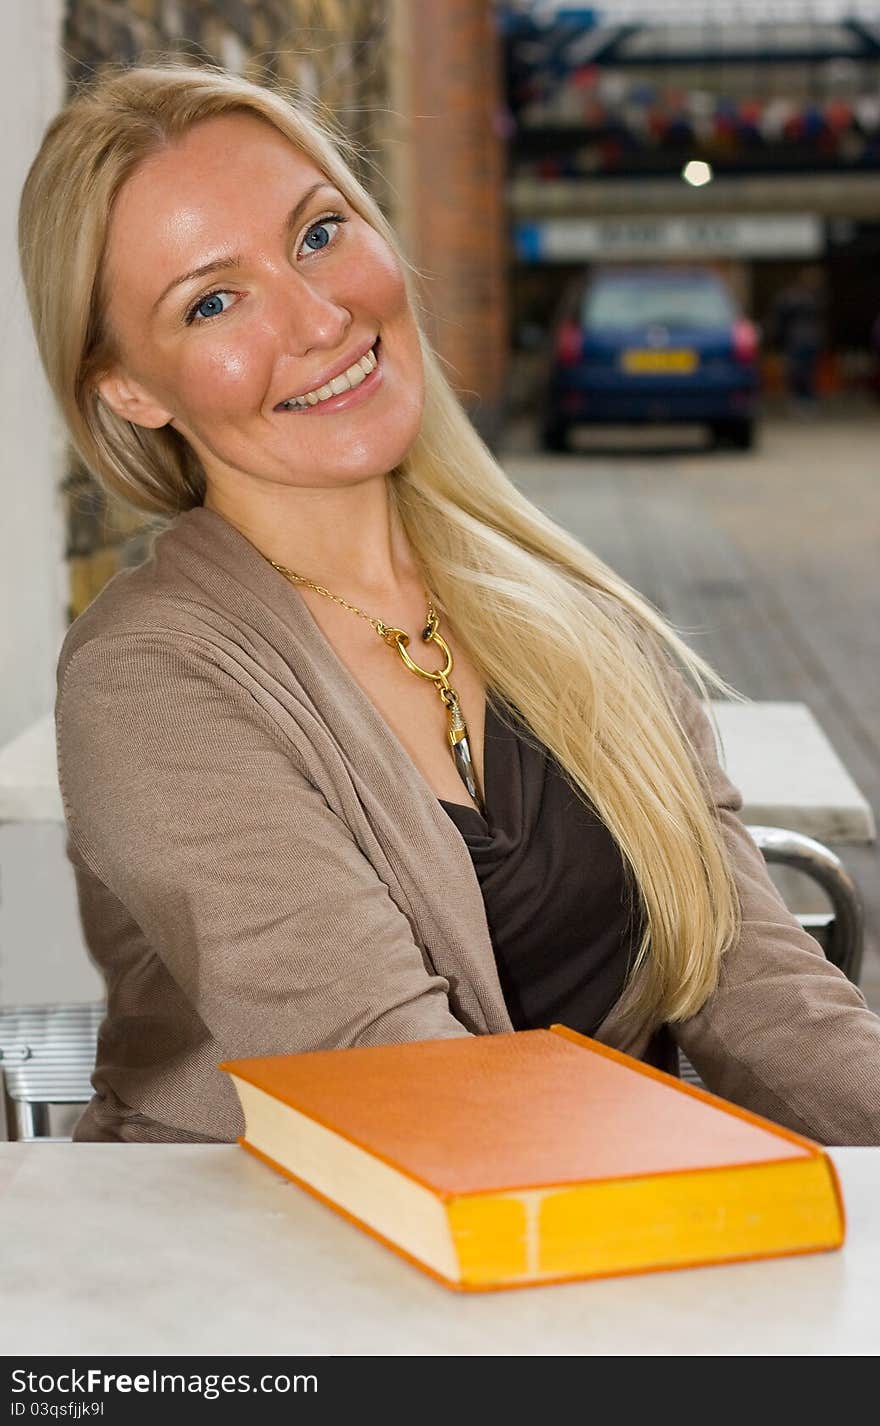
<point x="457" y="731"/>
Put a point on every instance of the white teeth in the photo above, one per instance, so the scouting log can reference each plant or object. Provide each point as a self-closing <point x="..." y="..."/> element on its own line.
<point x="346" y="382"/>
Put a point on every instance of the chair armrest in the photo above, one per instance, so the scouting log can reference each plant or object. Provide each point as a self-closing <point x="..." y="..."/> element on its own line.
<point x="815" y="860"/>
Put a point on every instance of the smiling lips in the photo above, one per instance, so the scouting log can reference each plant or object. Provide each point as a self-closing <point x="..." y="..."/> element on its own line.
<point x="361" y="377"/>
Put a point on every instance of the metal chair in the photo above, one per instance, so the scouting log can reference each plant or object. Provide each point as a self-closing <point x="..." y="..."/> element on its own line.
<point x="840" y="931"/>
<point x="47" y="1054"/>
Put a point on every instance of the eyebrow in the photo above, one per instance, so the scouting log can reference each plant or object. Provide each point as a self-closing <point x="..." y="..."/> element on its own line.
<point x="221" y="264"/>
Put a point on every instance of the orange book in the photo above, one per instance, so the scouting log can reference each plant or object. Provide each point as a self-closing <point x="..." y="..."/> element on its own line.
<point x="534" y="1157"/>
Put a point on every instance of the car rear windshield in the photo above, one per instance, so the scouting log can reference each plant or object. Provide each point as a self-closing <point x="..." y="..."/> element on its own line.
<point x="619" y="304"/>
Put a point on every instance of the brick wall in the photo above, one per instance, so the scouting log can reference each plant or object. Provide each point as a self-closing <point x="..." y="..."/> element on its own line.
<point x="452" y="209"/>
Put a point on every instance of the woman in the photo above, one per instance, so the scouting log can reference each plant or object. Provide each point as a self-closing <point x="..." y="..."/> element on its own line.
<point x="368" y="749"/>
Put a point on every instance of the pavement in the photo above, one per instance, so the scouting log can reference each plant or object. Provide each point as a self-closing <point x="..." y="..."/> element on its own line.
<point x="767" y="562"/>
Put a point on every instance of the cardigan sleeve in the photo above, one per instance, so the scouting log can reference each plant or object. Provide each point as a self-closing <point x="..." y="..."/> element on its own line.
<point x="786" y="1033"/>
<point x="183" y="798"/>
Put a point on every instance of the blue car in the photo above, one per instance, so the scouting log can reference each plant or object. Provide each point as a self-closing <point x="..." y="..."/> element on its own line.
<point x="652" y="344"/>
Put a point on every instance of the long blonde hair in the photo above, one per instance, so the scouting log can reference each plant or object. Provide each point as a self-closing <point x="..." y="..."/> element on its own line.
<point x="566" y="642"/>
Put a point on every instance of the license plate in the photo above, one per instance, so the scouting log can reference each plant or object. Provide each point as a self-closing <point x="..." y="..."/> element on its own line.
<point x="649" y="362"/>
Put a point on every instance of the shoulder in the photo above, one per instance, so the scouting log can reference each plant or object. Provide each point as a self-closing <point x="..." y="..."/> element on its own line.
<point x="154" y="598"/>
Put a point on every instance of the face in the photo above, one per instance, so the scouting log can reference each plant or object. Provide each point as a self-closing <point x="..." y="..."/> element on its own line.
<point x="305" y="289"/>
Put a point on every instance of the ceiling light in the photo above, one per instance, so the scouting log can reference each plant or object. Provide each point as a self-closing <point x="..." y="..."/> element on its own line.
<point x="696" y="173"/>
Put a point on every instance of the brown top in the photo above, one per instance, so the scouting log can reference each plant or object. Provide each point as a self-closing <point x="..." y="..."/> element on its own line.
<point x="553" y="884"/>
<point x="262" y="869"/>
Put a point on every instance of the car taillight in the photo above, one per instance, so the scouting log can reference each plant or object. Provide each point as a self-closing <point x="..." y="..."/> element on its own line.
<point x="745" y="341"/>
<point x="568" y="343"/>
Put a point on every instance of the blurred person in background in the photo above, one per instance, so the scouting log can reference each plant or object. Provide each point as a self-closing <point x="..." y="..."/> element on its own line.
<point x="798" y="328"/>
<point x="874" y="344"/>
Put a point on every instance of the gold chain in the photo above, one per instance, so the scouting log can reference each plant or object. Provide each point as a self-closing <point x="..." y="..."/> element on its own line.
<point x="382" y="629"/>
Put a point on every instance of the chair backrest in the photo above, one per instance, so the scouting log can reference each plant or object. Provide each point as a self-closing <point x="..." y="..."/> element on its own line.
<point x="47" y="1054"/>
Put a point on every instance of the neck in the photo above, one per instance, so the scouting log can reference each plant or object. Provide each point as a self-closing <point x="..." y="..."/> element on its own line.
<point x="350" y="539"/>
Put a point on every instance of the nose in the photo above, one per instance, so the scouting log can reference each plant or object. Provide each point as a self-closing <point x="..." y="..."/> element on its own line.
<point x="308" y="318"/>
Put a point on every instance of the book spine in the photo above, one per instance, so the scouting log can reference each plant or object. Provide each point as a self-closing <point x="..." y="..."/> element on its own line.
<point x="658" y="1221"/>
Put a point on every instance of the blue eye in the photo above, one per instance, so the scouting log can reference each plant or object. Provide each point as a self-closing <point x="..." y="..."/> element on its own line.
<point x="332" y="220"/>
<point x="209" y="297"/>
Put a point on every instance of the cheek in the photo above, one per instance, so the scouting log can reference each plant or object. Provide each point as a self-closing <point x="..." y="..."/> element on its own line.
<point x="391" y="305"/>
<point x="220" y="376"/>
<point x="381" y="279"/>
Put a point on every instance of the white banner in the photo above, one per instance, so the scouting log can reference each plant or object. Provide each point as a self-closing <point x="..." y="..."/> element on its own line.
<point x="576" y="239"/>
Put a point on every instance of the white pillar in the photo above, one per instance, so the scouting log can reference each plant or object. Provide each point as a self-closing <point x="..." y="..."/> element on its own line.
<point x="42" y="956"/>
<point x="33" y="575"/>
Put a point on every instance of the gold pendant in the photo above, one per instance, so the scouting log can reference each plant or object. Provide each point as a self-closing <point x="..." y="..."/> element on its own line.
<point x="457" y="731"/>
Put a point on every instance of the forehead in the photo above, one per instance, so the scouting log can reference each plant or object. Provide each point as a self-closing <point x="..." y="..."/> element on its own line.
<point x="224" y="181"/>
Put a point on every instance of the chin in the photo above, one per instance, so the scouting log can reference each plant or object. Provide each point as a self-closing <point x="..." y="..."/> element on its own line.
<point x="375" y="457"/>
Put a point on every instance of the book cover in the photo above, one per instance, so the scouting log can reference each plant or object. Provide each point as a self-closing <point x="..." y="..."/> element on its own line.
<point x="535" y="1156"/>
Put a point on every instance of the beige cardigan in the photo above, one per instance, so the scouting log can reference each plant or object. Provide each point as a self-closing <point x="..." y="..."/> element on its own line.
<point x="261" y="868"/>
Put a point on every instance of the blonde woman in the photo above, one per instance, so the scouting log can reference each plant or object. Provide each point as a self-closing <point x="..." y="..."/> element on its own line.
<point x="368" y="749"/>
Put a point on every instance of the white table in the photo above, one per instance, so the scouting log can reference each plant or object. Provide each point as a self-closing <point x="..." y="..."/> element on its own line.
<point x="29" y="789"/>
<point x="789" y="774"/>
<point x="776" y="753"/>
<point x="185" y="1249"/>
